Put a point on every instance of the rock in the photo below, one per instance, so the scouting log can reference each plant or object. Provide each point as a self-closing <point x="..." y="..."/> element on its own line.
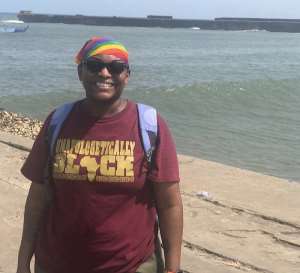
<point x="18" y="124"/>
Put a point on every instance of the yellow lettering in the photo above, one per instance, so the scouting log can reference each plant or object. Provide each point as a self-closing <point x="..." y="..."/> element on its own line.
<point x="92" y="148"/>
<point x="114" y="179"/>
<point x="59" y="163"/>
<point x="122" y="150"/>
<point x="124" y="166"/>
<point x="132" y="146"/>
<point x="97" y="148"/>
<point x="57" y="147"/>
<point x="111" y="147"/>
<point x="68" y="145"/>
<point x="62" y="145"/>
<point x="91" y="166"/>
<point x="117" y="148"/>
<point x="87" y="147"/>
<point x="71" y="168"/>
<point x="105" y="169"/>
<point x="75" y="146"/>
<point x="127" y="148"/>
<point x="81" y="150"/>
<point x="104" y="147"/>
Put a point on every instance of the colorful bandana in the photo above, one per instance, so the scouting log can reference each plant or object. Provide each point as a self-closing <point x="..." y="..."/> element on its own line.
<point x="102" y="45"/>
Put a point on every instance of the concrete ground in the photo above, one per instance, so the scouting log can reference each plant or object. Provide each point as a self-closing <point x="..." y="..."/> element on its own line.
<point x="235" y="220"/>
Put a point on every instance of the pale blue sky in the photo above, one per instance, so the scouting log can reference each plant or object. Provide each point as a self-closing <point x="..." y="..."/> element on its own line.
<point x="197" y="9"/>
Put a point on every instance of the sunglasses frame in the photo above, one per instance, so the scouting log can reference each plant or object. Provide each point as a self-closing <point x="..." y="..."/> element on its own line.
<point x="111" y="66"/>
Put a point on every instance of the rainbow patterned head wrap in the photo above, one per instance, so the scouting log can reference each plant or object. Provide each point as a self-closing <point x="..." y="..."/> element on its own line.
<point x="102" y="45"/>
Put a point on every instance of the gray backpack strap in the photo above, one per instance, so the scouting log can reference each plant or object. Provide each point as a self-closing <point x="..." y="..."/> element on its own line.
<point x="147" y="122"/>
<point x="148" y="128"/>
<point x="57" y="119"/>
<point x="56" y="122"/>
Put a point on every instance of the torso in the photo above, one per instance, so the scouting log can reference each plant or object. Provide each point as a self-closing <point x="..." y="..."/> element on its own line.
<point x="103" y="206"/>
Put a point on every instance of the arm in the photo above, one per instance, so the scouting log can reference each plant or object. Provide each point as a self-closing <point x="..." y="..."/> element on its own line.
<point x="34" y="211"/>
<point x="170" y="215"/>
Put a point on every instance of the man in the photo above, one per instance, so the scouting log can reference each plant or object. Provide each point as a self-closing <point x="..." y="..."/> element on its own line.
<point x="102" y="215"/>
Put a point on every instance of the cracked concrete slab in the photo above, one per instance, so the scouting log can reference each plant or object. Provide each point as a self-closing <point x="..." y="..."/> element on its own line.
<point x="267" y="195"/>
<point x="248" y="222"/>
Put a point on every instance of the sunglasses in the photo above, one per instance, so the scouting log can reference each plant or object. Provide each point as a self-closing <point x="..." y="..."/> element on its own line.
<point x="114" y="67"/>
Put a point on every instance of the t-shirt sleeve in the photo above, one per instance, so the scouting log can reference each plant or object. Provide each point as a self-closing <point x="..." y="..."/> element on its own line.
<point x="165" y="163"/>
<point x="34" y="166"/>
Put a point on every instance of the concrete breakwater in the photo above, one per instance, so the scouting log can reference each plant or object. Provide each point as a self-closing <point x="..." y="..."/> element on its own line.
<point x="233" y="24"/>
<point x="235" y="221"/>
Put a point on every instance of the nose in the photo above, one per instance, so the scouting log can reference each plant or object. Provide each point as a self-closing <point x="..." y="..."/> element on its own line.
<point x="104" y="72"/>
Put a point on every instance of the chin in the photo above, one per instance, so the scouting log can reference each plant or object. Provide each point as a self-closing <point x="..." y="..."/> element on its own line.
<point x="102" y="98"/>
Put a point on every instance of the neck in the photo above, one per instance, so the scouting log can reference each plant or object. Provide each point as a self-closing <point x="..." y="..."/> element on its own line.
<point x="103" y="109"/>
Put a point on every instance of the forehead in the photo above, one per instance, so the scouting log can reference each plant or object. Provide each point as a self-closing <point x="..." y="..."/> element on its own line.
<point x="105" y="58"/>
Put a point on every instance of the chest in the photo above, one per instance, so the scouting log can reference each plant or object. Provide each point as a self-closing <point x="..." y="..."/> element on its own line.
<point x="102" y="154"/>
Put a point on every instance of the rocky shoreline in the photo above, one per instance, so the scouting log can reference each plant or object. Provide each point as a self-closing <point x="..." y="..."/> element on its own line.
<point x="18" y="124"/>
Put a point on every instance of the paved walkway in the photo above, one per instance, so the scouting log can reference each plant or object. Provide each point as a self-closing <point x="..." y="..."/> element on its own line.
<point x="235" y="220"/>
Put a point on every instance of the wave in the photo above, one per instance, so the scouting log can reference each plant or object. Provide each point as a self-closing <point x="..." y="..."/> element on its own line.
<point x="250" y="124"/>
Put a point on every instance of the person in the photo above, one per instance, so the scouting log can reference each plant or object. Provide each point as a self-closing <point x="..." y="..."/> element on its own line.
<point x="105" y="197"/>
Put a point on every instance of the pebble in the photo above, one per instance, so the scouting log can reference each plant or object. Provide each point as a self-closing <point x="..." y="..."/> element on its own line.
<point x="19" y="125"/>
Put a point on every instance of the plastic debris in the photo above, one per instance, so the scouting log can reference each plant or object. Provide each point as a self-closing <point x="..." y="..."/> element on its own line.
<point x="204" y="194"/>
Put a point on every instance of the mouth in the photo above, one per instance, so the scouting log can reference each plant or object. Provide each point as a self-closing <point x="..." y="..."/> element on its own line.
<point x="104" y="85"/>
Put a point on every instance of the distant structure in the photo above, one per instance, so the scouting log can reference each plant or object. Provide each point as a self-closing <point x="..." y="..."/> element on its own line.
<point x="25" y="12"/>
<point x="161" y="17"/>
<point x="165" y="21"/>
<point x="256" y="19"/>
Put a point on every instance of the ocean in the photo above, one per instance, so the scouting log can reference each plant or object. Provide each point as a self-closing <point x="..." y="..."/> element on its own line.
<point x="231" y="97"/>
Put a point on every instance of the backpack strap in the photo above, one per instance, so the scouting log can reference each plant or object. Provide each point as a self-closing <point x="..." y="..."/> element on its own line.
<point x="59" y="116"/>
<point x="147" y="121"/>
<point x="148" y="128"/>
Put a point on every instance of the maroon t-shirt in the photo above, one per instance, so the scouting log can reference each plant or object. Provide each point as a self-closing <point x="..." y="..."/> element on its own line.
<point x="102" y="218"/>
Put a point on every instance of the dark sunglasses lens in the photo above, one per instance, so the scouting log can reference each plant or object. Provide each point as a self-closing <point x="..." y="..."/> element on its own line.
<point x="94" y="67"/>
<point x="117" y="67"/>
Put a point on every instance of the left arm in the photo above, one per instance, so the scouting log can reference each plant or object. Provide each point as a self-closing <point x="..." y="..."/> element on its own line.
<point x="170" y="215"/>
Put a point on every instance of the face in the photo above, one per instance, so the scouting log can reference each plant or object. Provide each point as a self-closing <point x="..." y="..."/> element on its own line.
<point x="103" y="83"/>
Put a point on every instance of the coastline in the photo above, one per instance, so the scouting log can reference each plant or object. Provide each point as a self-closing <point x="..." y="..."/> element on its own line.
<point x="166" y="21"/>
<point x="235" y="220"/>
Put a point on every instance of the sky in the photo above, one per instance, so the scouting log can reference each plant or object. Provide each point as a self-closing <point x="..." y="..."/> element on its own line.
<point x="196" y="9"/>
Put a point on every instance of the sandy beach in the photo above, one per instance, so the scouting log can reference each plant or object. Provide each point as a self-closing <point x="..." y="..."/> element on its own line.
<point x="235" y="220"/>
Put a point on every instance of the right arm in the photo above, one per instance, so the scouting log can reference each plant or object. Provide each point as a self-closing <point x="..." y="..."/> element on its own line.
<point x="35" y="208"/>
<point x="37" y="199"/>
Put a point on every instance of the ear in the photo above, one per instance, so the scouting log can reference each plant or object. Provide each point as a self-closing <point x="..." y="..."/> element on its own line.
<point x="79" y="71"/>
<point x="127" y="76"/>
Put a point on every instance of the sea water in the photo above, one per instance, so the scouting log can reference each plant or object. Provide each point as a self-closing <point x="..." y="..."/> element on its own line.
<point x="230" y="97"/>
